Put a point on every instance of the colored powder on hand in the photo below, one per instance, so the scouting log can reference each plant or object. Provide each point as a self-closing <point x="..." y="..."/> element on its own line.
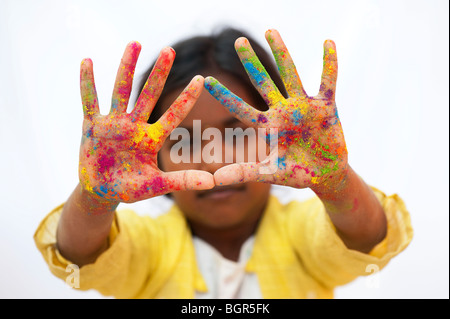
<point x="156" y="131"/>
<point x="106" y="161"/>
<point x="297" y="114"/>
<point x="282" y="162"/>
<point x="254" y="73"/>
<point x="155" y="185"/>
<point x="114" y="104"/>
<point x="262" y="118"/>
<point x="275" y="97"/>
<point x="329" y="94"/>
<point x="224" y="96"/>
<point x="87" y="183"/>
<point x="158" y="184"/>
<point x="242" y="49"/>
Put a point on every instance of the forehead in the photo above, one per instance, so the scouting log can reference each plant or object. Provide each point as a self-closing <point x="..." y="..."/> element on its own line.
<point x="209" y="110"/>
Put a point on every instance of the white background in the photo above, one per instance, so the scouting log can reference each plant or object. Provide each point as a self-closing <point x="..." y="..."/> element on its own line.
<point x="392" y="97"/>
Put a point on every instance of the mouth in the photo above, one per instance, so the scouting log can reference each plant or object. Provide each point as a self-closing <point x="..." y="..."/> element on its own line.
<point x="221" y="192"/>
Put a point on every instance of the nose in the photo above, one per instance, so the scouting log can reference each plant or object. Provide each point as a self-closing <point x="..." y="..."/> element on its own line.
<point x="215" y="153"/>
<point x="221" y="148"/>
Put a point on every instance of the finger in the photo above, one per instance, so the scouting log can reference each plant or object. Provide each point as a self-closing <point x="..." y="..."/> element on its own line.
<point x="87" y="89"/>
<point x="124" y="78"/>
<point x="286" y="66"/>
<point x="330" y="70"/>
<point x="257" y="73"/>
<point x="154" y="85"/>
<point x="243" y="173"/>
<point x="268" y="170"/>
<point x="188" y="180"/>
<point x="235" y="105"/>
<point x="182" y="106"/>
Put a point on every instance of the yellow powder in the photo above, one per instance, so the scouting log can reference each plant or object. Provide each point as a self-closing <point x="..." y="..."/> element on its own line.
<point x="139" y="134"/>
<point x="86" y="180"/>
<point x="154" y="131"/>
<point x="127" y="166"/>
<point x="274" y="97"/>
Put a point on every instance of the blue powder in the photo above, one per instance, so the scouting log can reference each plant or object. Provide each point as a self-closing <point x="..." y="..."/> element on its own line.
<point x="115" y="104"/>
<point x="282" y="162"/>
<point x="89" y="132"/>
<point x="254" y="73"/>
<point x="224" y="96"/>
<point x="297" y="117"/>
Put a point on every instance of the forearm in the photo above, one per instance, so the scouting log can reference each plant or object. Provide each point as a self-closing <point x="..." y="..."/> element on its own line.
<point x="356" y="213"/>
<point x="84" y="226"/>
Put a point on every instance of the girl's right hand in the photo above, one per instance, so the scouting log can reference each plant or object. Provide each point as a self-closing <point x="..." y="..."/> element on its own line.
<point x="118" y="153"/>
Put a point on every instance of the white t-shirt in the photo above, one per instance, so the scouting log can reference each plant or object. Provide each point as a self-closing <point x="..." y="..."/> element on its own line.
<point x="226" y="279"/>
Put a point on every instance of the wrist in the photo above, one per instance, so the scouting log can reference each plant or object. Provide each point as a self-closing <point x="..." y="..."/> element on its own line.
<point x="92" y="203"/>
<point x="331" y="188"/>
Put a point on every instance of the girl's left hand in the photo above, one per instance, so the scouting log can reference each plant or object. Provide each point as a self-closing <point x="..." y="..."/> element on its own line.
<point x="311" y="146"/>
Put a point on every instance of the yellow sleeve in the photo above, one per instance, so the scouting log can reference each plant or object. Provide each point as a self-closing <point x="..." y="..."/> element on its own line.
<point x="122" y="270"/>
<point x="326" y="257"/>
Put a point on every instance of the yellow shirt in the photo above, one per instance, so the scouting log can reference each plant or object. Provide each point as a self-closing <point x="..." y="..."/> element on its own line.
<point x="296" y="254"/>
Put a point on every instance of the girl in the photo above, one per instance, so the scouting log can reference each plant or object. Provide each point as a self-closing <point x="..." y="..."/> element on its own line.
<point x="226" y="236"/>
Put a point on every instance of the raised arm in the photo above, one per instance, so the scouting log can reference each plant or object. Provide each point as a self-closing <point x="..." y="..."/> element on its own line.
<point x="311" y="150"/>
<point x="118" y="155"/>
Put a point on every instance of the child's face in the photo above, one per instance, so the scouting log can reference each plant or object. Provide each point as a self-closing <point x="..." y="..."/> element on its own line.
<point x="222" y="207"/>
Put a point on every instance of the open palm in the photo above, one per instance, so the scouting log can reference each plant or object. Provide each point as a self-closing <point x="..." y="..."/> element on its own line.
<point x="311" y="150"/>
<point x="118" y="153"/>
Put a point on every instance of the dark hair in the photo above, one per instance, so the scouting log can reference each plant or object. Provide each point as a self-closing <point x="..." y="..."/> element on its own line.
<point x="201" y="54"/>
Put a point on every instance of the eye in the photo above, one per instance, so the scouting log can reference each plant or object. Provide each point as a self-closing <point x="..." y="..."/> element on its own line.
<point x="238" y="124"/>
<point x="184" y="142"/>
